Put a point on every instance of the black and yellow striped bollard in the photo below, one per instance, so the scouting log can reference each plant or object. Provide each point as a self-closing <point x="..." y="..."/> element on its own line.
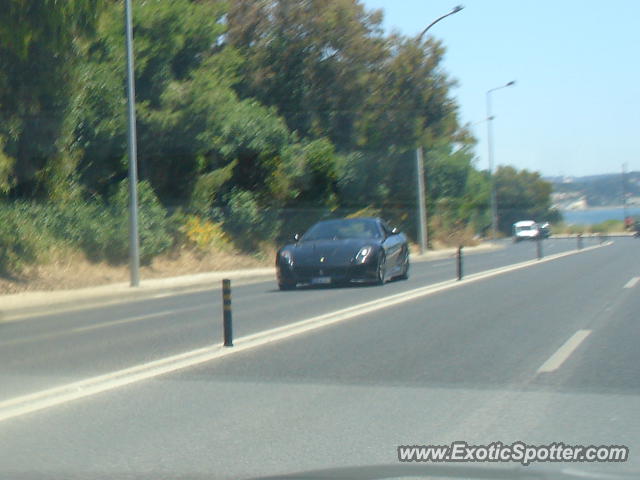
<point x="226" y="313"/>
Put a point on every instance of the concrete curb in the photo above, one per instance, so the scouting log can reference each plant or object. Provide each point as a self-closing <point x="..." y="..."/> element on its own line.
<point x="593" y="235"/>
<point x="32" y="304"/>
<point x="452" y="252"/>
<point x="28" y="304"/>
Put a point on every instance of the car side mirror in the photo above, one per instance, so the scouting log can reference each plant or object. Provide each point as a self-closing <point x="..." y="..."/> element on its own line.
<point x="296" y="237"/>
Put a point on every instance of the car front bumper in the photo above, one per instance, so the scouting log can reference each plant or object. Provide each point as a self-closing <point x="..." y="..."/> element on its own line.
<point x="326" y="274"/>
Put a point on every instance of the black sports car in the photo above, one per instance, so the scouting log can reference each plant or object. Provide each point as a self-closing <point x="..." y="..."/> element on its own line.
<point x="363" y="250"/>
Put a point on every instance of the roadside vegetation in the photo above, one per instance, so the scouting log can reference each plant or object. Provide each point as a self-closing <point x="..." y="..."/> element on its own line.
<point x="255" y="118"/>
<point x="609" y="226"/>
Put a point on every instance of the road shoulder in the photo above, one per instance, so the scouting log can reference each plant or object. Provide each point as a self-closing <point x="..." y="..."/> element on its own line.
<point x="29" y="304"/>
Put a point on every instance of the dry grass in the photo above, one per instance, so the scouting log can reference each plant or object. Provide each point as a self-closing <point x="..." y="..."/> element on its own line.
<point x="445" y="234"/>
<point x="69" y="270"/>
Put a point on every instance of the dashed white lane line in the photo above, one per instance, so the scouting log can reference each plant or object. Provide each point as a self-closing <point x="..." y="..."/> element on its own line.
<point x="632" y="283"/>
<point x="564" y="352"/>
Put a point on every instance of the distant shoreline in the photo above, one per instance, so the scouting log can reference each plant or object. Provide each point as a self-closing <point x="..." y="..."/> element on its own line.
<point x="595" y="215"/>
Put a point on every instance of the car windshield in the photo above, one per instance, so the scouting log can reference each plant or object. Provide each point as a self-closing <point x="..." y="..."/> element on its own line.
<point x="343" y="230"/>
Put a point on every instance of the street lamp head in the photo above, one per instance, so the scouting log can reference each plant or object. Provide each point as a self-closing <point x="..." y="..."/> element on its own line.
<point x="510" y="84"/>
<point x="456" y="9"/>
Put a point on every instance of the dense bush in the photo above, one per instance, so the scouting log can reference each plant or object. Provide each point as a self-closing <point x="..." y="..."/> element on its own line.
<point x="21" y="243"/>
<point x="203" y="234"/>
<point x="248" y="222"/>
<point x="112" y="238"/>
<point x="99" y="229"/>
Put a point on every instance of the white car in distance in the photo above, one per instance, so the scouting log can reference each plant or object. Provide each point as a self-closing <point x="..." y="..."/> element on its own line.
<point x="525" y="230"/>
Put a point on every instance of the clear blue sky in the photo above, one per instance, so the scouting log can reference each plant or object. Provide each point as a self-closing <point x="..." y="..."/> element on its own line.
<point x="575" y="109"/>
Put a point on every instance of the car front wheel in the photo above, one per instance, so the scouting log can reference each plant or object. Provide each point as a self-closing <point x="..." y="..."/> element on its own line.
<point x="405" y="268"/>
<point x="381" y="269"/>
<point x="286" y="285"/>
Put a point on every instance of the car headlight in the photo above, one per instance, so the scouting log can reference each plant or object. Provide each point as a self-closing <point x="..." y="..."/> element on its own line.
<point x="363" y="254"/>
<point x="287" y="257"/>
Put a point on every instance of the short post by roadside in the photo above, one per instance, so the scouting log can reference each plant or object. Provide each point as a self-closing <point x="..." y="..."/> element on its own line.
<point x="459" y="263"/>
<point x="579" y="241"/>
<point x="539" y="247"/>
<point x="226" y="313"/>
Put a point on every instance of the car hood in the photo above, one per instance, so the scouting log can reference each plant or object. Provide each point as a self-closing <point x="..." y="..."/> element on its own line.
<point x="334" y="252"/>
<point x="455" y="471"/>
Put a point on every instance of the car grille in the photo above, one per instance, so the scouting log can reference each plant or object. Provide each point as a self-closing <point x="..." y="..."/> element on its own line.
<point x="308" y="272"/>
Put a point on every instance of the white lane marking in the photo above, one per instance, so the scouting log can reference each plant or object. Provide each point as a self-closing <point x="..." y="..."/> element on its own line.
<point x="98" y="326"/>
<point x="560" y="356"/>
<point x="162" y="295"/>
<point x="632" y="283"/>
<point x="440" y="264"/>
<point x="136" y="319"/>
<point x="33" y="402"/>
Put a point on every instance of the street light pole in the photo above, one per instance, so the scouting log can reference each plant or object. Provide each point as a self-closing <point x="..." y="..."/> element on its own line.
<point x="624" y="192"/>
<point x="494" y="198"/>
<point x="134" y="242"/>
<point x="423" y="232"/>
<point x="422" y="205"/>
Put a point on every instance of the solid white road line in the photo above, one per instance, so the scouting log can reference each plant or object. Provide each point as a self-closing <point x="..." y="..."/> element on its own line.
<point x="24" y="404"/>
<point x="557" y="359"/>
<point x="632" y="283"/>
<point x="440" y="264"/>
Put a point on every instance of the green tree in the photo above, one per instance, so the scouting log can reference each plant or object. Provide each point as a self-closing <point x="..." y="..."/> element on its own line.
<point x="172" y="41"/>
<point x="409" y="100"/>
<point x="38" y="51"/>
<point x="191" y="122"/>
<point x="522" y="195"/>
<point x="311" y="59"/>
<point x="266" y="114"/>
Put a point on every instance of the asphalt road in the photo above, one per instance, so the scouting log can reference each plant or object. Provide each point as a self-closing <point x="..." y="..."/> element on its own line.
<point x="477" y="363"/>
<point x="49" y="350"/>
